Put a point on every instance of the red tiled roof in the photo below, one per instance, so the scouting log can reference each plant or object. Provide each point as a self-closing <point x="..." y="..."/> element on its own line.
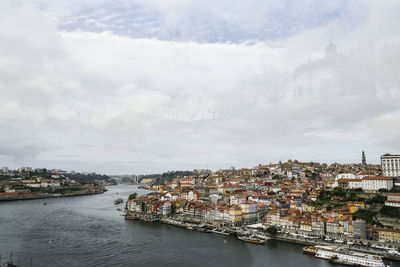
<point x="377" y="178"/>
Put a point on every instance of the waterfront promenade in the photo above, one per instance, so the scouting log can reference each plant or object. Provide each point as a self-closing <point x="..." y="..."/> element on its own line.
<point x="365" y="246"/>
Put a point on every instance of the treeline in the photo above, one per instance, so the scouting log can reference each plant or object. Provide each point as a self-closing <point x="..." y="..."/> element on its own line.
<point x="89" y="178"/>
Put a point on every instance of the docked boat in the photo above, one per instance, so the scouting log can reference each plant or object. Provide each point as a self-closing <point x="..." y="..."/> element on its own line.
<point x="251" y="239"/>
<point x="346" y="257"/>
<point x="309" y="250"/>
<point x="216" y="231"/>
<point x="129" y="217"/>
<point x="10" y="264"/>
<point x="152" y="219"/>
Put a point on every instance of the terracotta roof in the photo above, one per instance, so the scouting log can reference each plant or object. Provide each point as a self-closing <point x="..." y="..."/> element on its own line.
<point x="377" y="178"/>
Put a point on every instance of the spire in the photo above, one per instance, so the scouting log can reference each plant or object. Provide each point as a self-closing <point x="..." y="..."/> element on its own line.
<point x="363" y="159"/>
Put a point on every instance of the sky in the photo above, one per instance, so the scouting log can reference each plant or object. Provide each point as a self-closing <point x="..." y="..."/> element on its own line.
<point x="147" y="86"/>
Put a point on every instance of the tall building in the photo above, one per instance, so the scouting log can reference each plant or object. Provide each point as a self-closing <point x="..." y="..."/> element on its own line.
<point x="363" y="159"/>
<point x="360" y="228"/>
<point x="390" y="165"/>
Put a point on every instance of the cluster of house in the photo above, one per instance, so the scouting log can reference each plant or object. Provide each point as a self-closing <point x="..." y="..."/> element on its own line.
<point x="26" y="183"/>
<point x="335" y="223"/>
<point x="282" y="195"/>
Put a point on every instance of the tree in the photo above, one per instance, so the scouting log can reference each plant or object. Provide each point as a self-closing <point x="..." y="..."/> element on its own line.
<point x="366" y="215"/>
<point x="393" y="212"/>
<point x="377" y="199"/>
<point x="272" y="230"/>
<point x="132" y="196"/>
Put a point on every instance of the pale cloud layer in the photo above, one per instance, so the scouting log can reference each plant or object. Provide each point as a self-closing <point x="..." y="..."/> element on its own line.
<point x="149" y="86"/>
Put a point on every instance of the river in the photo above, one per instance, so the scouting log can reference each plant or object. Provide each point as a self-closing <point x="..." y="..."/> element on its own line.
<point x="89" y="231"/>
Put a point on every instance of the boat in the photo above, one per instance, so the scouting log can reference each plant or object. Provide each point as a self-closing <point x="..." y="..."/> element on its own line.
<point x="44" y="203"/>
<point x="309" y="250"/>
<point x="129" y="217"/>
<point x="118" y="201"/>
<point x="346" y="257"/>
<point x="10" y="264"/>
<point x="252" y="239"/>
<point x="152" y="219"/>
<point x="216" y="231"/>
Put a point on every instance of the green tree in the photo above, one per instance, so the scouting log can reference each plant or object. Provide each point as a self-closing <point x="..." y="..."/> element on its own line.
<point x="132" y="196"/>
<point x="366" y="215"/>
<point x="393" y="212"/>
<point x="272" y="230"/>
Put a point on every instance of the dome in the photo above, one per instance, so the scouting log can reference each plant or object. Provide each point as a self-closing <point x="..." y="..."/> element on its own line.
<point x="331" y="49"/>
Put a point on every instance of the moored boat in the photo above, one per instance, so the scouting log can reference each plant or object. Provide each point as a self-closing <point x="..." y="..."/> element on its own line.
<point x="129" y="217"/>
<point x="346" y="257"/>
<point x="251" y="239"/>
<point x="216" y="231"/>
<point x="309" y="250"/>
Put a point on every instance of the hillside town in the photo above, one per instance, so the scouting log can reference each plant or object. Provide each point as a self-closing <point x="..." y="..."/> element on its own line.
<point x="30" y="183"/>
<point x="342" y="203"/>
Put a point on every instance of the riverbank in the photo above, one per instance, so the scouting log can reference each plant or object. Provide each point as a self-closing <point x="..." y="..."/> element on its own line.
<point x="46" y="196"/>
<point x="240" y="231"/>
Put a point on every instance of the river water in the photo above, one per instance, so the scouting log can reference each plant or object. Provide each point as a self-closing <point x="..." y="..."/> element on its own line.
<point x="89" y="231"/>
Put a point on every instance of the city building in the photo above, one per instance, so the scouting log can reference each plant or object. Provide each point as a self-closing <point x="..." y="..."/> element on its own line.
<point x="374" y="183"/>
<point x="393" y="200"/>
<point x="390" y="165"/>
<point x="360" y="229"/>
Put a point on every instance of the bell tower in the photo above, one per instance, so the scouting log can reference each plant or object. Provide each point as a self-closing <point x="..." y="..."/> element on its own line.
<point x="363" y="159"/>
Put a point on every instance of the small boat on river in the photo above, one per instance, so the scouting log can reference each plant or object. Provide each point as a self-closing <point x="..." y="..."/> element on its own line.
<point x="252" y="239"/>
<point x="309" y="250"/>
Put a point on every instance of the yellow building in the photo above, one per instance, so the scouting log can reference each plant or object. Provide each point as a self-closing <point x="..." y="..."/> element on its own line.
<point x="146" y="181"/>
<point x="391" y="235"/>
<point x="235" y="214"/>
<point x="354" y="206"/>
<point x="307" y="208"/>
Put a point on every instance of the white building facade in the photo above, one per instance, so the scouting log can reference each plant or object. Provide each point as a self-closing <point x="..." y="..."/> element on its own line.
<point x="376" y="183"/>
<point x="390" y="165"/>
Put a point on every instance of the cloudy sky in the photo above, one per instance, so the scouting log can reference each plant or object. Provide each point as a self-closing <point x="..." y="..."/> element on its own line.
<point x="144" y="86"/>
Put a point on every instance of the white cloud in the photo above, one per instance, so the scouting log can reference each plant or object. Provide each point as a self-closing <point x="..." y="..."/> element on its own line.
<point x="103" y="101"/>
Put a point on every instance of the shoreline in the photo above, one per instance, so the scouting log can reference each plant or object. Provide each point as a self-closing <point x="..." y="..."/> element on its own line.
<point x="236" y="231"/>
<point x="52" y="196"/>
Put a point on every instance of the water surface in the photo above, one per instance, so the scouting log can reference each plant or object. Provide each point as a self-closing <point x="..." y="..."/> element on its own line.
<point x="89" y="231"/>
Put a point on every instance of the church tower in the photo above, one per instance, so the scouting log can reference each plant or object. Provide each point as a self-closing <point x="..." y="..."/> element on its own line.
<point x="363" y="159"/>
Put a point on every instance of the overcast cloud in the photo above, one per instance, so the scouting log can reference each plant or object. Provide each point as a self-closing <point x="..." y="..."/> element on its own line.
<point x="148" y="86"/>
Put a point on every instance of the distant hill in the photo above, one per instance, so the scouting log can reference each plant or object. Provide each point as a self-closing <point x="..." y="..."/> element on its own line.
<point x="86" y="178"/>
